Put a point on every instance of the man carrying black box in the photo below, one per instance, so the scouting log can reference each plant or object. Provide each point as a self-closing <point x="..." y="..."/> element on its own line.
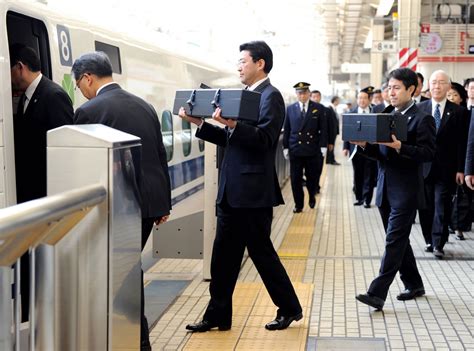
<point x="248" y="189"/>
<point x="400" y="190"/>
<point x="305" y="130"/>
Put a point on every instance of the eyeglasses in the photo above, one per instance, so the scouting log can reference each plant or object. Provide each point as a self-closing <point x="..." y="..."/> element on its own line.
<point x="78" y="81"/>
<point x="438" y="82"/>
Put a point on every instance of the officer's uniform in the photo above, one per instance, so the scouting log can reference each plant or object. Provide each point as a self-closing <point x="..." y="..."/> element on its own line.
<point x="305" y="130"/>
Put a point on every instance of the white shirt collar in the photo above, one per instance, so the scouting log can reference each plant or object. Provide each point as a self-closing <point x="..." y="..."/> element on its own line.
<point x="305" y="105"/>
<point x="361" y="110"/>
<point x="32" y="87"/>
<point x="442" y="105"/>
<point x="469" y="104"/>
<point x="103" y="86"/>
<point x="256" y="84"/>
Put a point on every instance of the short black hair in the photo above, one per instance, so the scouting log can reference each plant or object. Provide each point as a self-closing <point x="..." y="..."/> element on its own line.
<point x="406" y="76"/>
<point x="377" y="91"/>
<point x="461" y="91"/>
<point x="334" y="98"/>
<point x="96" y="62"/>
<point x="259" y="50"/>
<point x="26" y="55"/>
<point x="315" y="92"/>
<point x="421" y="77"/>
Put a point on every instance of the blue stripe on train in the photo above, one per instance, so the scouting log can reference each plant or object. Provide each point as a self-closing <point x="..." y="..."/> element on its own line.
<point x="186" y="194"/>
<point x="186" y="171"/>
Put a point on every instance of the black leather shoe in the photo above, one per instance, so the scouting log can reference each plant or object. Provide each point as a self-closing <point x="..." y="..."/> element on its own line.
<point x="367" y="206"/>
<point x="460" y="236"/>
<point x="358" y="203"/>
<point x="438" y="252"/>
<point x="312" y="203"/>
<point x="282" y="322"/>
<point x="428" y="248"/>
<point x="205" y="326"/>
<point x="373" y="301"/>
<point x="335" y="163"/>
<point x="410" y="294"/>
<point x="297" y="210"/>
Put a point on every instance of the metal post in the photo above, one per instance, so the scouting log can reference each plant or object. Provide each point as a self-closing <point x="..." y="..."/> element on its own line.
<point x="5" y="308"/>
<point x="17" y="314"/>
<point x="32" y="299"/>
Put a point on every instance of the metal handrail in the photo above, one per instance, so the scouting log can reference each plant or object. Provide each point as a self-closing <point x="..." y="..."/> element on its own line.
<point x="45" y="220"/>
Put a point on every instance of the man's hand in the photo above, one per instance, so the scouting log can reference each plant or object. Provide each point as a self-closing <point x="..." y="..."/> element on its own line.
<point x="469" y="181"/>
<point x="395" y="144"/>
<point x="162" y="220"/>
<point x="285" y="154"/>
<point x="324" y="151"/>
<point x="330" y="147"/>
<point x="345" y="152"/>
<point x="459" y="178"/>
<point x="225" y="121"/>
<point x="183" y="115"/>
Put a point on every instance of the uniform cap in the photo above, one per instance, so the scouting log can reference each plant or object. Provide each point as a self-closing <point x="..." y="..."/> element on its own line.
<point x="369" y="90"/>
<point x="301" y="86"/>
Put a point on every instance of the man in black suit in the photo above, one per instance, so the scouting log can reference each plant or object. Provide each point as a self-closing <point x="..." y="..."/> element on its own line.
<point x="334" y="131"/>
<point x="112" y="106"/>
<point x="44" y="105"/>
<point x="399" y="189"/>
<point x="469" y="168"/>
<point x="305" y="129"/>
<point x="365" y="170"/>
<point x="447" y="168"/>
<point x="248" y="189"/>
<point x="386" y="101"/>
<point x="418" y="97"/>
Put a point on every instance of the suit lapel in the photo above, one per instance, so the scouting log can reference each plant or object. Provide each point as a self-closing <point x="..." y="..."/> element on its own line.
<point x="35" y="97"/>
<point x="447" y="113"/>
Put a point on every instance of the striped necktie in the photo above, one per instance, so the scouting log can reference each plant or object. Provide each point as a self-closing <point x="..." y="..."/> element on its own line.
<point x="437" y="117"/>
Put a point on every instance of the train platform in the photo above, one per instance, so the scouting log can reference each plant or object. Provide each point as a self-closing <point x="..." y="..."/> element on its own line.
<point x="331" y="253"/>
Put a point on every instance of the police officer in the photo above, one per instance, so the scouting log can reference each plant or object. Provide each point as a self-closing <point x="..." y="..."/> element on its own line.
<point x="305" y="130"/>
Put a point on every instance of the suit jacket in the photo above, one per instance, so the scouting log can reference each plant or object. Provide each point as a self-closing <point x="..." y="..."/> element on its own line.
<point x="451" y="141"/>
<point x="49" y="107"/>
<point x="303" y="137"/>
<point x="379" y="108"/>
<point x="247" y="176"/>
<point x="469" y="168"/>
<point x="401" y="174"/>
<point x="116" y="108"/>
<point x="333" y="123"/>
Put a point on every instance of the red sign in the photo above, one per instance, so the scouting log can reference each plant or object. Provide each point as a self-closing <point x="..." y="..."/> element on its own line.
<point x="425" y="28"/>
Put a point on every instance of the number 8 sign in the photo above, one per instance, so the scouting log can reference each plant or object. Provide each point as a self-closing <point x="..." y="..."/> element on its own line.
<point x="64" y="44"/>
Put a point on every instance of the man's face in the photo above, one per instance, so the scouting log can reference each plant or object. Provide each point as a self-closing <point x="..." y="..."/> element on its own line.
<point x="302" y="95"/>
<point x="316" y="97"/>
<point x="419" y="87"/>
<point x="84" y="84"/>
<point x="363" y="100"/>
<point x="439" y="86"/>
<point x="249" y="70"/>
<point x="16" y="74"/>
<point x="377" y="98"/>
<point x="399" y="95"/>
<point x="385" y="95"/>
<point x="470" y="91"/>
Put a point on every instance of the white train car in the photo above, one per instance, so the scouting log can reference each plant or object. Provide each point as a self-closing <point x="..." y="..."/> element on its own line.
<point x="143" y="68"/>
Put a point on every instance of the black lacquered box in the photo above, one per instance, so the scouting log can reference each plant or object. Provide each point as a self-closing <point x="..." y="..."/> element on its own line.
<point x="234" y="103"/>
<point x="373" y="127"/>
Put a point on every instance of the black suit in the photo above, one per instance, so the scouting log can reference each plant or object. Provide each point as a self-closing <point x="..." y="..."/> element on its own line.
<point x="469" y="168"/>
<point x="248" y="189"/>
<point x="365" y="173"/>
<point x="333" y="127"/>
<point x="440" y="174"/>
<point x="49" y="107"/>
<point x="116" y="108"/>
<point x="380" y="108"/>
<point x="303" y="136"/>
<point x="399" y="190"/>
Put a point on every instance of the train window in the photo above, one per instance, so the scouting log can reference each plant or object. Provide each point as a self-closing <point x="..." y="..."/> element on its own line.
<point x="186" y="137"/>
<point x="201" y="145"/>
<point x="113" y="52"/>
<point x="167" y="132"/>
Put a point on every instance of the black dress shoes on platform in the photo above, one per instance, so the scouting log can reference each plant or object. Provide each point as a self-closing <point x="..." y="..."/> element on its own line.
<point x="410" y="294"/>
<point x="297" y="210"/>
<point x="428" y="248"/>
<point x="371" y="300"/>
<point x="312" y="203"/>
<point x="282" y="322"/>
<point x="367" y="206"/>
<point x="358" y="203"/>
<point x="205" y="326"/>
<point x="438" y="252"/>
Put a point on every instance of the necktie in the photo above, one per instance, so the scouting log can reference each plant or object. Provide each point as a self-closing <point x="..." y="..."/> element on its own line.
<point x="303" y="112"/>
<point x="21" y="105"/>
<point x="437" y="117"/>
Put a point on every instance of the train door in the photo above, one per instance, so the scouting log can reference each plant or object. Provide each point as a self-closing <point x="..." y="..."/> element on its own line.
<point x="30" y="32"/>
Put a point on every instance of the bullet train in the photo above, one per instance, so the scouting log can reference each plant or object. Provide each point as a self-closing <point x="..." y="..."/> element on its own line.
<point x="147" y="66"/>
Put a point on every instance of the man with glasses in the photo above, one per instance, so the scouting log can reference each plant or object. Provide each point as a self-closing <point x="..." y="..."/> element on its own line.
<point x="43" y="105"/>
<point x="447" y="169"/>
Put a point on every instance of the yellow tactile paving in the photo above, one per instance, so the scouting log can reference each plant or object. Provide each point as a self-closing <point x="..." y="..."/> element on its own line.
<point x="295" y="268"/>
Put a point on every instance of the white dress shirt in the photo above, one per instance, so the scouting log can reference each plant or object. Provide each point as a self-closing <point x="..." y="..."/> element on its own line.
<point x="442" y="105"/>
<point x="30" y="91"/>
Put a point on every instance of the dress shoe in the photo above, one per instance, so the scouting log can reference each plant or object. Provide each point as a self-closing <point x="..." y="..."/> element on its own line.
<point x="358" y="203"/>
<point x="335" y="163"/>
<point x="367" y="206"/>
<point x="282" y="322"/>
<point x="297" y="210"/>
<point x="428" y="248"/>
<point x="312" y="203"/>
<point x="371" y="300"/>
<point x="460" y="236"/>
<point x="205" y="326"/>
<point x="410" y="294"/>
<point x="438" y="252"/>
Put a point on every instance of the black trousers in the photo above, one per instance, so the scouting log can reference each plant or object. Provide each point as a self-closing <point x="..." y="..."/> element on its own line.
<point x="330" y="159"/>
<point x="311" y="167"/>
<point x="435" y="217"/>
<point x="365" y="172"/>
<point x="237" y="229"/>
<point x="398" y="255"/>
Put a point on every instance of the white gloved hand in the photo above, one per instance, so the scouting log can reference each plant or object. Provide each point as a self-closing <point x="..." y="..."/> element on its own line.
<point x="324" y="150"/>
<point x="285" y="154"/>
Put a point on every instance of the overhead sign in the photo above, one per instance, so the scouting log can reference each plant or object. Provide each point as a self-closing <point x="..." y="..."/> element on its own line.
<point x="431" y="43"/>
<point x="347" y="67"/>
<point x="384" y="46"/>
